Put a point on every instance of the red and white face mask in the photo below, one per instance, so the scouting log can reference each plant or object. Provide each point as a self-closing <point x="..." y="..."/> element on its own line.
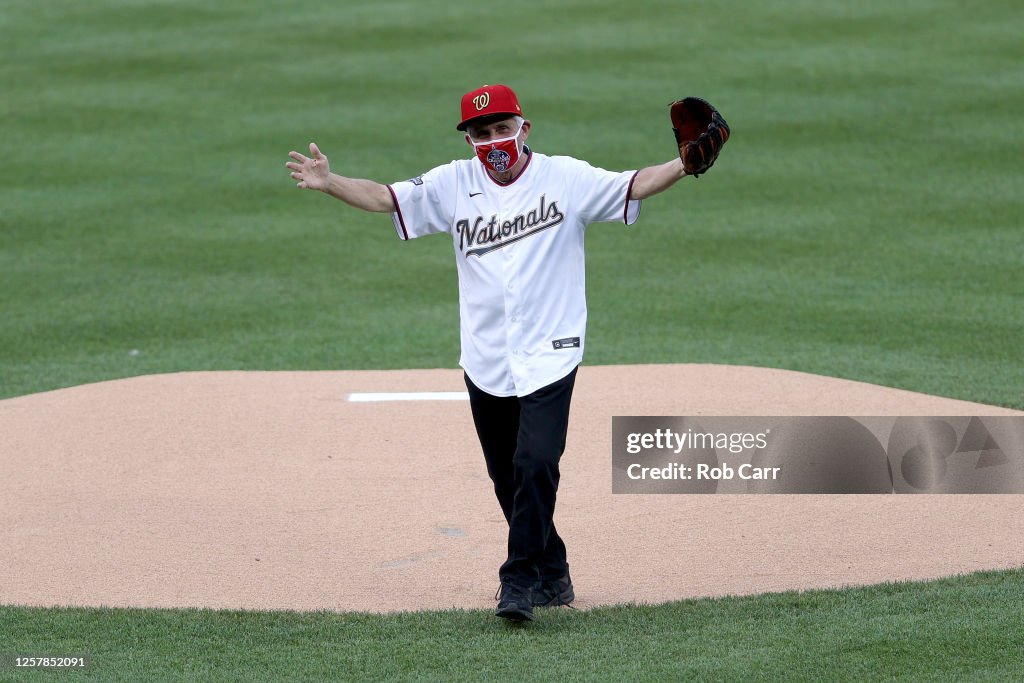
<point x="500" y="154"/>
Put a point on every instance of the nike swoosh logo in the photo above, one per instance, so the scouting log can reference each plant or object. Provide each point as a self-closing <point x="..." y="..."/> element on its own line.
<point x="473" y="194"/>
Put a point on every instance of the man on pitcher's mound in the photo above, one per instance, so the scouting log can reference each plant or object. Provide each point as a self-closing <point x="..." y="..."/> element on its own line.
<point x="517" y="219"/>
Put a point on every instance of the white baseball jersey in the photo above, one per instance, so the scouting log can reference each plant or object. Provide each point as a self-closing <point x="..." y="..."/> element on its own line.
<point x="519" y="251"/>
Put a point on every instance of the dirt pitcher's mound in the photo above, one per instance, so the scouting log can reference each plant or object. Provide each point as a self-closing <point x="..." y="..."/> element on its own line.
<point x="272" y="490"/>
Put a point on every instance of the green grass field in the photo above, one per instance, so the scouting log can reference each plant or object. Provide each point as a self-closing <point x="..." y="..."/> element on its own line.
<point x="964" y="628"/>
<point x="863" y="222"/>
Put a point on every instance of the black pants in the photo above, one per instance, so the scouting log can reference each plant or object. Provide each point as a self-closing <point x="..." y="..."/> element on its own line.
<point x="523" y="439"/>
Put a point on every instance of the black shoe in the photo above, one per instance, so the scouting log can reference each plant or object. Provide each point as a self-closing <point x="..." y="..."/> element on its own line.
<point x="514" y="602"/>
<point x="553" y="593"/>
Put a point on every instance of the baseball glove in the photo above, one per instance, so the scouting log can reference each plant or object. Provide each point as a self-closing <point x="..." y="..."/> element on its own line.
<point x="700" y="133"/>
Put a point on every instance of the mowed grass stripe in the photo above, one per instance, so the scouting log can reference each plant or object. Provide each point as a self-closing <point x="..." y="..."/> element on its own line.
<point x="863" y="212"/>
<point x="964" y="627"/>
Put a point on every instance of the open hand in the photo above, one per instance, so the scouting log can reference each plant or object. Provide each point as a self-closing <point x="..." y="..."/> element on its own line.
<point x="311" y="173"/>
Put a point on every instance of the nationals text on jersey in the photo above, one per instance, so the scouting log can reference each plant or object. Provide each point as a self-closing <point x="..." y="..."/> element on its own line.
<point x="490" y="236"/>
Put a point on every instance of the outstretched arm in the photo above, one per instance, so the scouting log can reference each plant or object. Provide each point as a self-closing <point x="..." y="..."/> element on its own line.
<point x="314" y="173"/>
<point x="654" y="179"/>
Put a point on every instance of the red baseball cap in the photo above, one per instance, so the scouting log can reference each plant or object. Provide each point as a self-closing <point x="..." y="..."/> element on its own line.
<point x="487" y="101"/>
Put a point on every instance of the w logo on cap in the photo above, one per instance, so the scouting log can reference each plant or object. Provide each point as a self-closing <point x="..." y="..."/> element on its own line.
<point x="489" y="100"/>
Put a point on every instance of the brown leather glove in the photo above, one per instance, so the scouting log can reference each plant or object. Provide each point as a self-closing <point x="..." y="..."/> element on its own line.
<point x="700" y="133"/>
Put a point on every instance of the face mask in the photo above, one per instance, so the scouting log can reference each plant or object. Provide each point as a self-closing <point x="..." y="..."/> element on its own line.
<point x="500" y="154"/>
